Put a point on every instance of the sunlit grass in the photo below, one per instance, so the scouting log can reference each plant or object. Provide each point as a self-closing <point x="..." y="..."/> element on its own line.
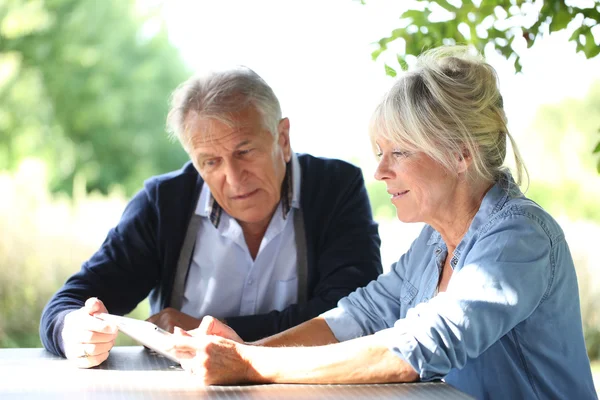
<point x="43" y="240"/>
<point x="596" y="370"/>
<point x="596" y="374"/>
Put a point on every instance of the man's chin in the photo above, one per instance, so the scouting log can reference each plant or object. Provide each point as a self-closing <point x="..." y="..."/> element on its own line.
<point x="253" y="217"/>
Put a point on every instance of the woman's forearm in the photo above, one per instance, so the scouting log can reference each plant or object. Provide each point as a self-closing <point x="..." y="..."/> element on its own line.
<point x="314" y="332"/>
<point x="360" y="360"/>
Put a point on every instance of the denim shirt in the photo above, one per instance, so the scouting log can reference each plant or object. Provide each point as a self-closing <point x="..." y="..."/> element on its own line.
<point x="509" y="324"/>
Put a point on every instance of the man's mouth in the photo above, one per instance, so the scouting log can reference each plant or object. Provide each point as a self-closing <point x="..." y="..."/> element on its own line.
<point x="245" y="195"/>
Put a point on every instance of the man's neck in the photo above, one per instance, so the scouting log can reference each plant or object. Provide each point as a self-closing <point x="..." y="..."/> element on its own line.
<point x="254" y="232"/>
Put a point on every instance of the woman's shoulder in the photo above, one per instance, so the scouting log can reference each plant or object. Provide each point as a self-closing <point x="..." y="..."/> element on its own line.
<point x="521" y="213"/>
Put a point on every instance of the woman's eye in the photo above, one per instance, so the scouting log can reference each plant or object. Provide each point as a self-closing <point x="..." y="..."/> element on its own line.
<point x="379" y="155"/>
<point x="401" y="154"/>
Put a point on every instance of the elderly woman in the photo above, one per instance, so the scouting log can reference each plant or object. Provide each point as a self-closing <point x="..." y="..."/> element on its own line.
<point x="485" y="298"/>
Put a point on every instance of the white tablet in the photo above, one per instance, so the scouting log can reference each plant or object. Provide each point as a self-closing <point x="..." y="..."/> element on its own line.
<point x="145" y="332"/>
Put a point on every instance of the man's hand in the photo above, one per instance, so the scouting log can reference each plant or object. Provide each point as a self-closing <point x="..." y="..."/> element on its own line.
<point x="86" y="339"/>
<point x="169" y="318"/>
<point x="212" y="326"/>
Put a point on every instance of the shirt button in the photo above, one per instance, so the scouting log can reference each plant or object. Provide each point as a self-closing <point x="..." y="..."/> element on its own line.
<point x="250" y="281"/>
<point x="453" y="262"/>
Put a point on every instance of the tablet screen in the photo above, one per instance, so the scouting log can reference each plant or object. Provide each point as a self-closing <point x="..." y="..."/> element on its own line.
<point x="145" y="332"/>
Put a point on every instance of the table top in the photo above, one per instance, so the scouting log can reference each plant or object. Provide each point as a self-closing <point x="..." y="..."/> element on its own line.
<point x="136" y="373"/>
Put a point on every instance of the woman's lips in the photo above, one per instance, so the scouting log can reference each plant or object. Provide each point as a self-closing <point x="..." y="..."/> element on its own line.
<point x="397" y="195"/>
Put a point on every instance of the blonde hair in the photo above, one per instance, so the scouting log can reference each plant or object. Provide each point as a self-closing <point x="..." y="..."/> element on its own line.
<point x="448" y="105"/>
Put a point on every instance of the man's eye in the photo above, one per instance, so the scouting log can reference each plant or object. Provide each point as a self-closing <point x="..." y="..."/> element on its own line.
<point x="209" y="163"/>
<point x="379" y="155"/>
<point x="244" y="152"/>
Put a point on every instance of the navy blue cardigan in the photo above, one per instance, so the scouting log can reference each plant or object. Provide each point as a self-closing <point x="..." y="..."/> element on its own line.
<point x="139" y="256"/>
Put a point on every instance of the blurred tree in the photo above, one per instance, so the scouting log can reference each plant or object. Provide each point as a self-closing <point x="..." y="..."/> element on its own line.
<point x="84" y="86"/>
<point x="566" y="182"/>
<point x="494" y="23"/>
<point x="381" y="205"/>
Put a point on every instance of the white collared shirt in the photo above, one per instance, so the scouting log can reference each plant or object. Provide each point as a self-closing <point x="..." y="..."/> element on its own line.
<point x="223" y="279"/>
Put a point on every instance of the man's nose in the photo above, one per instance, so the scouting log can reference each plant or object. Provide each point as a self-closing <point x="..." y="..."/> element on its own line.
<point x="234" y="173"/>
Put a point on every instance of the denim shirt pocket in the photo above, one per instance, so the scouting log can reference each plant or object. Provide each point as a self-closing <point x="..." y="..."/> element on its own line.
<point x="408" y="293"/>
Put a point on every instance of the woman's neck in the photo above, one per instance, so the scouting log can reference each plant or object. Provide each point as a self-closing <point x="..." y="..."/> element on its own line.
<point x="455" y="216"/>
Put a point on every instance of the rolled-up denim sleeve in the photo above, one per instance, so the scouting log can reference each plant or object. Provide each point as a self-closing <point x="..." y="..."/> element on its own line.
<point x="372" y="308"/>
<point x="505" y="276"/>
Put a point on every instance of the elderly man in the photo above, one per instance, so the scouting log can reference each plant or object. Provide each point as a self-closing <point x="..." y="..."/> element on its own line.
<point x="249" y="231"/>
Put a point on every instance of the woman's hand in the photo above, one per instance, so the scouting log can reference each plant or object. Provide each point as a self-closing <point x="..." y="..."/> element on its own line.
<point x="213" y="359"/>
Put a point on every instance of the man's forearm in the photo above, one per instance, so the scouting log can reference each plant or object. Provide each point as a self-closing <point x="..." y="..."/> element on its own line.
<point x="361" y="360"/>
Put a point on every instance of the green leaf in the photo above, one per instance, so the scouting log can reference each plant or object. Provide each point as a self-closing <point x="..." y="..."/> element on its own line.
<point x="597" y="149"/>
<point x="418" y="17"/>
<point x="561" y="19"/>
<point x="518" y="66"/>
<point x="402" y="62"/>
<point x="390" y="71"/>
<point x="446" y="5"/>
<point x="576" y="33"/>
<point x="591" y="49"/>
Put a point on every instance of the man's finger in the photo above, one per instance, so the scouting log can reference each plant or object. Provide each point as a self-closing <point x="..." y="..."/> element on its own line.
<point x="90" y="337"/>
<point x="97" y="325"/>
<point x="89" y="361"/>
<point x="95" y="349"/>
<point x="94" y="306"/>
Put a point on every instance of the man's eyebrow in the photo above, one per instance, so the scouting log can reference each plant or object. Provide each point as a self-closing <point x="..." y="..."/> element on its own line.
<point x="242" y="144"/>
<point x="208" y="155"/>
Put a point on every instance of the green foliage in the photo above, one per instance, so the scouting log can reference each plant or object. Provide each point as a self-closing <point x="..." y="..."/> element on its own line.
<point x="498" y="23"/>
<point x="381" y="205"/>
<point x="566" y="182"/>
<point x="432" y="23"/>
<point x="568" y="198"/>
<point x="45" y="238"/>
<point x="597" y="150"/>
<point x="84" y="86"/>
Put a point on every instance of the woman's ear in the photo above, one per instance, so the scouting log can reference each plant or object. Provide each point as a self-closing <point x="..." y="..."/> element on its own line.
<point x="464" y="161"/>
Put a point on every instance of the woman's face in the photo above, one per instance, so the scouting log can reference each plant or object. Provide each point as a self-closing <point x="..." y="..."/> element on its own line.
<point x="420" y="187"/>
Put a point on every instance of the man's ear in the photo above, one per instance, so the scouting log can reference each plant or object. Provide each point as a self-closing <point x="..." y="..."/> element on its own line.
<point x="283" y="130"/>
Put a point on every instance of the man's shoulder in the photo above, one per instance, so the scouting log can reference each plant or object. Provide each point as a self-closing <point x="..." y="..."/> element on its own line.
<point x="186" y="174"/>
<point x="181" y="183"/>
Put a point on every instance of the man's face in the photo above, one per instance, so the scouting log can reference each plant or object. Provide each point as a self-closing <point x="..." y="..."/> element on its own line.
<point x="243" y="164"/>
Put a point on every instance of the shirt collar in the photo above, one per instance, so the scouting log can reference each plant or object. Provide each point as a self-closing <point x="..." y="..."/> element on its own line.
<point x="503" y="190"/>
<point x="290" y="194"/>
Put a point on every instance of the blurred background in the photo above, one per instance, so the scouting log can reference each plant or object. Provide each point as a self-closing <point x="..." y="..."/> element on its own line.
<point x="84" y="88"/>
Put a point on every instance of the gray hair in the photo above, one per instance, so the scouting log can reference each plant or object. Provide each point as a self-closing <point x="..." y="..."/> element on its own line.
<point x="450" y="103"/>
<point x="219" y="94"/>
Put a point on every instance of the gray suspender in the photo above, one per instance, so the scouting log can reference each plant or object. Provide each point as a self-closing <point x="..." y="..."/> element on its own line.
<point x="187" y="250"/>
<point x="301" y="264"/>
<point x="183" y="264"/>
